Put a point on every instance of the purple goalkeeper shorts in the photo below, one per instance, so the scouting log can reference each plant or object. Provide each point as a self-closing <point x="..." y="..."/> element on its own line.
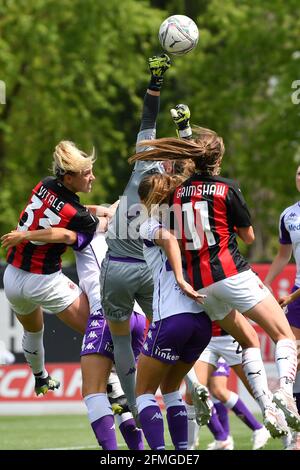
<point x="97" y="338"/>
<point x="179" y="337"/>
<point x="293" y="311"/>
<point x="223" y="369"/>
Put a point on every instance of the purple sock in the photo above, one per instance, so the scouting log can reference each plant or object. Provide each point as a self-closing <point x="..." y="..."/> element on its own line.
<point x="132" y="435"/>
<point x="216" y="427"/>
<point x="223" y="416"/>
<point x="178" y="426"/>
<point x="153" y="427"/>
<point x="297" y="398"/>
<point x="104" y="429"/>
<point x="242" y="412"/>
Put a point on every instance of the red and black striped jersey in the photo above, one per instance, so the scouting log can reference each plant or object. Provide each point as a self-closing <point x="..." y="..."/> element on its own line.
<point x="217" y="330"/>
<point x="208" y="209"/>
<point x="51" y="205"/>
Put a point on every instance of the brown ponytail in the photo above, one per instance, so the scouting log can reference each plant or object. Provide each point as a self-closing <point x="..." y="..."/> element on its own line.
<point x="206" y="150"/>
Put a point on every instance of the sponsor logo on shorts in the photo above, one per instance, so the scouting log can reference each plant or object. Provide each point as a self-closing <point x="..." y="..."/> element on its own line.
<point x="71" y="285"/>
<point x="165" y="353"/>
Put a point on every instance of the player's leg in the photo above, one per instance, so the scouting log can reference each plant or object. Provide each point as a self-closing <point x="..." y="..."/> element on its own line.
<point x="25" y="291"/>
<point x="260" y="435"/>
<point x="175" y="407"/>
<point x="96" y="364"/>
<point x="238" y="327"/>
<point x="119" y="283"/>
<point x="209" y="362"/>
<point x="34" y="352"/>
<point x="222" y="372"/>
<point x="76" y="314"/>
<point x="95" y="372"/>
<point x="150" y="372"/>
<point x="132" y="435"/>
<point x="269" y="315"/>
<point x="188" y="345"/>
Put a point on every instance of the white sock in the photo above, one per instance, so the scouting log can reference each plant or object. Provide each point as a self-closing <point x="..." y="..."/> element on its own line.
<point x="256" y="375"/>
<point x="173" y="399"/>
<point x="286" y="363"/>
<point x="34" y="351"/>
<point x="143" y="401"/>
<point x="193" y="427"/>
<point x="231" y="402"/>
<point x="97" y="406"/>
<point x="123" y="417"/>
<point x="190" y="379"/>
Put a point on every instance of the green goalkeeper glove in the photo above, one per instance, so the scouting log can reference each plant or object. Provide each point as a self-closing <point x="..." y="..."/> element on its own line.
<point x="158" y="66"/>
<point x="181" y="116"/>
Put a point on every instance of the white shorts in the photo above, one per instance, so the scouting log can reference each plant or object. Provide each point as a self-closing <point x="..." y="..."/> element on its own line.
<point x="241" y="292"/>
<point x="26" y="291"/>
<point x="222" y="346"/>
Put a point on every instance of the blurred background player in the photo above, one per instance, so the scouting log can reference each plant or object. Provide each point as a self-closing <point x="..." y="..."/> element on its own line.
<point x="33" y="278"/>
<point x="289" y="243"/>
<point x="179" y="331"/>
<point x="125" y="276"/>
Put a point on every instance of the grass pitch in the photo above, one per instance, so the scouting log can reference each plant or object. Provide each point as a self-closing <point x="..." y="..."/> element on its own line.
<point x="68" y="432"/>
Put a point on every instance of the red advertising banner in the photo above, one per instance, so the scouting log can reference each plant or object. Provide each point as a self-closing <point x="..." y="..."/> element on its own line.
<point x="17" y="383"/>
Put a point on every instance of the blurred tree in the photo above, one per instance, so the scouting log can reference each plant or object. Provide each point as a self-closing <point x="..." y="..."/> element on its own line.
<point x="72" y="71"/>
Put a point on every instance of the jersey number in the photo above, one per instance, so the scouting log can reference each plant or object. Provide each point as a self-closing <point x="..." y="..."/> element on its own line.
<point x="49" y="220"/>
<point x="197" y="231"/>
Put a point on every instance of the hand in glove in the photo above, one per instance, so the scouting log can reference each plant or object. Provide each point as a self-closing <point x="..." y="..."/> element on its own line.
<point x="158" y="65"/>
<point x="181" y="116"/>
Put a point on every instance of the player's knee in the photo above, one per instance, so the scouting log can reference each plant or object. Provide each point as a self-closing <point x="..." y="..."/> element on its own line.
<point x="219" y="393"/>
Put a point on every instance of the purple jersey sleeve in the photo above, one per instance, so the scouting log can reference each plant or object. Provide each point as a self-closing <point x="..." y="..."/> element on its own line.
<point x="83" y="239"/>
<point x="284" y="235"/>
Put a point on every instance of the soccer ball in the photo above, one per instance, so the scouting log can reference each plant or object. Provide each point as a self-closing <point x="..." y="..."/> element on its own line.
<point x="178" y="34"/>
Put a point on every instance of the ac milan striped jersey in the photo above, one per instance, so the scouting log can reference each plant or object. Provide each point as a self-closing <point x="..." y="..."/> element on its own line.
<point x="208" y="209"/>
<point x="51" y="204"/>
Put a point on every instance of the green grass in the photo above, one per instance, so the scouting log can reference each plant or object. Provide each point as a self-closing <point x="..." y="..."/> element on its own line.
<point x="73" y="431"/>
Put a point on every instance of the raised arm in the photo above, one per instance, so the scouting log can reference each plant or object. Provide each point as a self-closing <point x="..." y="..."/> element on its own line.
<point x="158" y="65"/>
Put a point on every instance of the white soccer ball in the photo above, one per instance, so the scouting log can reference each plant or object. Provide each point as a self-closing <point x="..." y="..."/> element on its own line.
<point x="178" y="34"/>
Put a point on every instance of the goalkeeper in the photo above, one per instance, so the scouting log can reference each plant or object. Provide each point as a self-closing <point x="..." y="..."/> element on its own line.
<point x="125" y="276"/>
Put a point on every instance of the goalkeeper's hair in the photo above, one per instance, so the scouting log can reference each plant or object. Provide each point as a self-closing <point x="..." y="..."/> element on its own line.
<point x="206" y="149"/>
<point x="155" y="189"/>
<point x="69" y="159"/>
